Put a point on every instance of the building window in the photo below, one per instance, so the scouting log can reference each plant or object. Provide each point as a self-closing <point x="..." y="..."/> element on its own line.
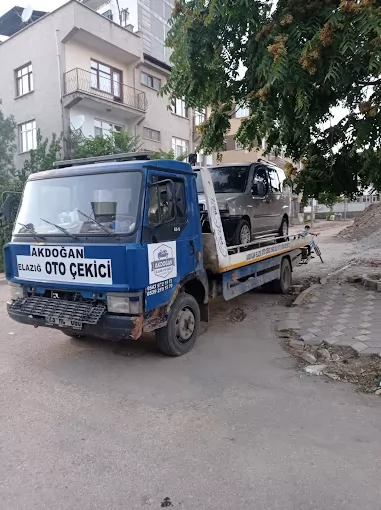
<point x="124" y="17"/>
<point x="103" y="128"/>
<point x="24" y="80"/>
<point x="199" y="116"/>
<point x="238" y="146"/>
<point x="179" y="108"/>
<point x="27" y="136"/>
<point x="150" y="81"/>
<point x="108" y="14"/>
<point x="179" y="147"/>
<point x="242" y="112"/>
<point x="106" y="78"/>
<point x="151" y="134"/>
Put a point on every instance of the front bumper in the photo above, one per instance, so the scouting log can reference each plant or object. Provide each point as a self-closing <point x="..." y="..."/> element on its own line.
<point x="108" y="327"/>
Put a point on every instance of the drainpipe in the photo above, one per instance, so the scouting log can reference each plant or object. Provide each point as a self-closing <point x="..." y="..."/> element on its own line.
<point x="60" y="89"/>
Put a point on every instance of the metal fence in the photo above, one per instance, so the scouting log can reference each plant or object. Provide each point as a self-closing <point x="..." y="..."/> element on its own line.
<point x="79" y="80"/>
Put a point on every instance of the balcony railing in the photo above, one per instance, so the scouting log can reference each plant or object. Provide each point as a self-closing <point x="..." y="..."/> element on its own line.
<point x="79" y="80"/>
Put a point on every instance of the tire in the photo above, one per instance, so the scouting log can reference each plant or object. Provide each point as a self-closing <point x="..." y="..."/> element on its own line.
<point x="283" y="284"/>
<point x="179" y="335"/>
<point x="283" y="230"/>
<point x="243" y="230"/>
<point x="72" y="334"/>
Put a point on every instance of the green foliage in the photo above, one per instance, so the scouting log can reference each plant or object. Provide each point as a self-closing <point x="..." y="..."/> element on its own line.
<point x="299" y="60"/>
<point x="7" y="148"/>
<point x="168" y="155"/>
<point x="41" y="158"/>
<point x="116" y="142"/>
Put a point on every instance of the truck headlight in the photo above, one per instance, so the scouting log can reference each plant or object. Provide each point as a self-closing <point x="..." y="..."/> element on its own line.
<point x="125" y="303"/>
<point x="16" y="291"/>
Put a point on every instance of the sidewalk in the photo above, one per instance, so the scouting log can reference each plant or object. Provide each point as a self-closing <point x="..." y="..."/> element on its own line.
<point x="342" y="314"/>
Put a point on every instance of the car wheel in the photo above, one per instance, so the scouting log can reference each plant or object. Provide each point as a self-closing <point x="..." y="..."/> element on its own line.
<point x="283" y="230"/>
<point x="242" y="233"/>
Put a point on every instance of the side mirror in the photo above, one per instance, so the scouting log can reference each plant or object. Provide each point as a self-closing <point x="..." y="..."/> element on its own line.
<point x="6" y="210"/>
<point x="254" y="189"/>
<point x="163" y="202"/>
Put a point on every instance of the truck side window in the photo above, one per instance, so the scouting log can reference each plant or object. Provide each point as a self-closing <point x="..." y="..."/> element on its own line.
<point x="167" y="209"/>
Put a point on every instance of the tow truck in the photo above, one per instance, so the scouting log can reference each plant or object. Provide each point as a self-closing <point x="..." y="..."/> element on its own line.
<point x="112" y="247"/>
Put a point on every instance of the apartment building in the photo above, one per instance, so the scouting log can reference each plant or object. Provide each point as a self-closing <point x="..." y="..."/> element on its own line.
<point x="147" y="17"/>
<point x="77" y="68"/>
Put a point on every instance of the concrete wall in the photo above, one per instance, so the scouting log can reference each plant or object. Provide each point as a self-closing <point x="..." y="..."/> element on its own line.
<point x="159" y="117"/>
<point x="79" y="55"/>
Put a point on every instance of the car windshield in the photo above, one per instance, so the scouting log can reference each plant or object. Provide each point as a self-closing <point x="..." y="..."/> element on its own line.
<point x="226" y="179"/>
<point x="82" y="204"/>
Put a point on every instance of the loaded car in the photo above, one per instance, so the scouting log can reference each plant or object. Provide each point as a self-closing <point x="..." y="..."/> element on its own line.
<point x="251" y="199"/>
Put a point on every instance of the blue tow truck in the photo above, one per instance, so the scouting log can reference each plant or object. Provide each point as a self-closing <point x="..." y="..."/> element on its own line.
<point x="112" y="247"/>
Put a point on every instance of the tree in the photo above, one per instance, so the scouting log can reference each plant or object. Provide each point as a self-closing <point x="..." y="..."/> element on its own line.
<point x="169" y="155"/>
<point x="116" y="142"/>
<point x="41" y="158"/>
<point x="291" y="62"/>
<point x="7" y="148"/>
<point x="329" y="200"/>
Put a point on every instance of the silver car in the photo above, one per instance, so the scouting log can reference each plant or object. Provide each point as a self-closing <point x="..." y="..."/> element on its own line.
<point x="251" y="199"/>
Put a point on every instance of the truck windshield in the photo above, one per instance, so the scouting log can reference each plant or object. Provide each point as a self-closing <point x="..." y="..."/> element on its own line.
<point x="81" y="204"/>
<point x="226" y="179"/>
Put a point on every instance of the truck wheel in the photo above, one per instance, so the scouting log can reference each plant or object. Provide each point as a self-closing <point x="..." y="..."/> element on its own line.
<point x="180" y="333"/>
<point x="72" y="334"/>
<point x="283" y="284"/>
<point x="242" y="234"/>
<point x="283" y="230"/>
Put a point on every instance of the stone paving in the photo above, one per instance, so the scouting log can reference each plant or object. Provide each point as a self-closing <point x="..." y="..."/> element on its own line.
<point x="344" y="315"/>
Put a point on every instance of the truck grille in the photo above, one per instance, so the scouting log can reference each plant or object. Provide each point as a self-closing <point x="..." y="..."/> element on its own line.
<point x="83" y="312"/>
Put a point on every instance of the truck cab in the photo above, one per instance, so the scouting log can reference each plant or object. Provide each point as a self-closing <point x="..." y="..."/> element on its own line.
<point x="109" y="248"/>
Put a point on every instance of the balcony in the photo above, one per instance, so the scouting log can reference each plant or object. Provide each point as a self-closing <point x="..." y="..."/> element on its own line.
<point x="81" y="85"/>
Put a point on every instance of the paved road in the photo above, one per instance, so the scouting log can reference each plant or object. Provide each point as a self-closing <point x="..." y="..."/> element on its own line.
<point x="232" y="425"/>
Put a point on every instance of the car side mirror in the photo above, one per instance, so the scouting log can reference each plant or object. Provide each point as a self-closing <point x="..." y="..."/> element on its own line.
<point x="255" y="189"/>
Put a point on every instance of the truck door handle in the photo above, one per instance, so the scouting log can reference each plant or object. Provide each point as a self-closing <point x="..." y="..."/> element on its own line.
<point x="192" y="246"/>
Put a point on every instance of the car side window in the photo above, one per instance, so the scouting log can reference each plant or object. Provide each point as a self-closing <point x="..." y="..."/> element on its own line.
<point x="260" y="185"/>
<point x="274" y="179"/>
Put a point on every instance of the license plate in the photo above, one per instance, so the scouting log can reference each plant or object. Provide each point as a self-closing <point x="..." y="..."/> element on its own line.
<point x="63" y="323"/>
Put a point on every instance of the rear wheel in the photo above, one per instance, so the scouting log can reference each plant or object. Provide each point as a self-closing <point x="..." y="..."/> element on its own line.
<point x="282" y="285"/>
<point x="179" y="335"/>
<point x="242" y="234"/>
<point x="283" y="230"/>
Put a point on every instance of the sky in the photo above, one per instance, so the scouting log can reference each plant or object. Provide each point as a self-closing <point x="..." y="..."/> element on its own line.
<point x="38" y="5"/>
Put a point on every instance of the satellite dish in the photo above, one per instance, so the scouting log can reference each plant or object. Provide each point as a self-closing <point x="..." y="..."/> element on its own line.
<point x="26" y="14"/>
<point x="77" y="122"/>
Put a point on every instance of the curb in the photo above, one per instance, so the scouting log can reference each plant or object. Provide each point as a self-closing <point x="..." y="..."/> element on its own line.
<point x="302" y="296"/>
<point x="370" y="283"/>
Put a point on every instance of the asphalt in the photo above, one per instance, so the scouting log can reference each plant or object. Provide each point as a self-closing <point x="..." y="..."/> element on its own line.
<point x="234" y="424"/>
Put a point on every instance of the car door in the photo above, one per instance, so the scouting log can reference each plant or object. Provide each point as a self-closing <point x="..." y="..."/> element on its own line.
<point x="259" y="211"/>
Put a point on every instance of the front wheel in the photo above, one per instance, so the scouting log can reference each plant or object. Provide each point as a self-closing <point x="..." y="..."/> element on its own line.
<point x="179" y="335"/>
<point x="242" y="234"/>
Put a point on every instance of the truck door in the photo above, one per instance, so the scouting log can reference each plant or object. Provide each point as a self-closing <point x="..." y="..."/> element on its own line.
<point x="168" y="233"/>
